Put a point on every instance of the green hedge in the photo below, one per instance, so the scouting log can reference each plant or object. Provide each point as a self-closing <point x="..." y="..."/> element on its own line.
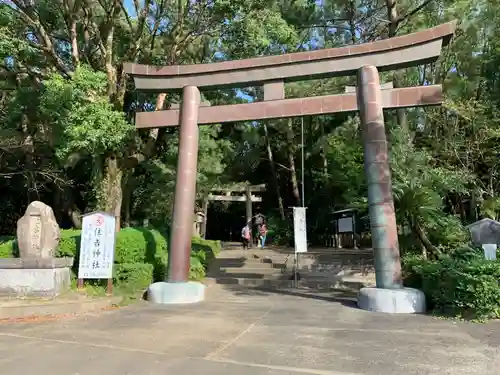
<point x="8" y="248"/>
<point x="461" y="283"/>
<point x="141" y="255"/>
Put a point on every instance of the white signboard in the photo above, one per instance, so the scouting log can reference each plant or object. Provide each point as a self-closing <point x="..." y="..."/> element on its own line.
<point x="299" y="229"/>
<point x="97" y="247"/>
<point x="490" y="251"/>
<point x="345" y="225"/>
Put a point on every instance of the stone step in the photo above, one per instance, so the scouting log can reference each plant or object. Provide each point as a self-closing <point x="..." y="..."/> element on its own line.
<point x="323" y="262"/>
<point x="312" y="268"/>
<point x="320" y="284"/>
<point x="305" y="255"/>
<point x="260" y="274"/>
<point x="317" y="256"/>
<point x="232" y="262"/>
<point x="250" y="258"/>
<point x="269" y="270"/>
<point x="285" y="273"/>
<point x="336" y="269"/>
<point x="257" y="270"/>
<point x="323" y="268"/>
<point x="248" y="264"/>
<point x="271" y="263"/>
<point x="246" y="281"/>
<point x="314" y="253"/>
<point x="288" y="251"/>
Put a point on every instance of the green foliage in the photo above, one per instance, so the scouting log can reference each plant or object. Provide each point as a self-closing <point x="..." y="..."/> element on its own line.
<point x="461" y="283"/>
<point x="280" y="232"/>
<point x="197" y="264"/>
<point x="154" y="193"/>
<point x="80" y="110"/>
<point x="141" y="255"/>
<point x="134" y="276"/>
<point x="346" y="171"/>
<point x="203" y="252"/>
<point x="133" y="246"/>
<point x="7" y="247"/>
<point x="261" y="30"/>
<point x="69" y="242"/>
<point x="419" y="189"/>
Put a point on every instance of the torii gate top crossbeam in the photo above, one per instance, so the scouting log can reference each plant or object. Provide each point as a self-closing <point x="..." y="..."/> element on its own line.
<point x="388" y="54"/>
<point x="391" y="98"/>
<point x="242" y="189"/>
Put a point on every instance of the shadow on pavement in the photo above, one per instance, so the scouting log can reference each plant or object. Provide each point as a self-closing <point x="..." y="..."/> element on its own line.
<point x="342" y="296"/>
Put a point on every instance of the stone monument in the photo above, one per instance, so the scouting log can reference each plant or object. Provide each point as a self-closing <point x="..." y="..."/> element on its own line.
<point x="486" y="234"/>
<point x="485" y="231"/>
<point x="36" y="272"/>
<point x="37" y="232"/>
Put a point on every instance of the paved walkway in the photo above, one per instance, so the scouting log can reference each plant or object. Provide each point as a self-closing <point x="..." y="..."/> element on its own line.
<point x="246" y="332"/>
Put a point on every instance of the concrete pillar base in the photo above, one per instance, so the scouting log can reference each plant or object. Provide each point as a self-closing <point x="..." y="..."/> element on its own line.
<point x="176" y="293"/>
<point x="393" y="301"/>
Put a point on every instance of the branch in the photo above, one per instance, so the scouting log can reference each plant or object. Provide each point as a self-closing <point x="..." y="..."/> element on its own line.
<point x="153" y="137"/>
<point x="31" y="19"/>
<point x="324" y="23"/>
<point x="323" y="26"/>
<point x="137" y="7"/>
<point x="401" y="18"/>
<point x="48" y="175"/>
<point x="159" y="11"/>
<point x="127" y="17"/>
<point x="71" y="19"/>
<point x="110" y="69"/>
<point x="141" y="22"/>
<point x="87" y="10"/>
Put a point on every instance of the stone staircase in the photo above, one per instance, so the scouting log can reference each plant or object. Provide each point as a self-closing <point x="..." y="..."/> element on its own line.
<point x="273" y="267"/>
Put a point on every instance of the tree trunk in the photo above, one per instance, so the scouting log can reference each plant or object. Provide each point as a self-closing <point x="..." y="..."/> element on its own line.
<point x="75" y="216"/>
<point x="128" y="188"/>
<point x="273" y="173"/>
<point x="351" y="11"/>
<point x="461" y="208"/>
<point x="291" y="162"/>
<point x="112" y="188"/>
<point x="67" y="203"/>
<point x="400" y="112"/>
<point x="29" y="146"/>
<point x="322" y="152"/>
<point x="427" y="246"/>
<point x="473" y="207"/>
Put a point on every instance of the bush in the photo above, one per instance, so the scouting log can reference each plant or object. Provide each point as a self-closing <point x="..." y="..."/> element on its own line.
<point x="280" y="232"/>
<point x="7" y="247"/>
<point x="461" y="283"/>
<point x="141" y="255"/>
<point x="136" y="276"/>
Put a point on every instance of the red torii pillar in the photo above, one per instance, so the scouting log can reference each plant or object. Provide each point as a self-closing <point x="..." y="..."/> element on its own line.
<point x="389" y="295"/>
<point x="179" y="289"/>
<point x="185" y="187"/>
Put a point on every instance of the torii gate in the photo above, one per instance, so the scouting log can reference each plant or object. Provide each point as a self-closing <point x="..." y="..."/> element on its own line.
<point x="364" y="60"/>
<point x="244" y="194"/>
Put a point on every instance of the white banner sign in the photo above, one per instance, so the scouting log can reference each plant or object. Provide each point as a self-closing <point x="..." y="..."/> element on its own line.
<point x="299" y="229"/>
<point x="97" y="246"/>
<point x="490" y="251"/>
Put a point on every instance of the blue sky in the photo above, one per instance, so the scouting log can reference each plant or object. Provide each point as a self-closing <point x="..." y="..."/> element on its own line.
<point x="129" y="5"/>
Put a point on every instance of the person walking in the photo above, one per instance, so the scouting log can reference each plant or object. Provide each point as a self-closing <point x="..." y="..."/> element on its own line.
<point x="245" y="236"/>
<point x="258" y="219"/>
<point x="263" y="235"/>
